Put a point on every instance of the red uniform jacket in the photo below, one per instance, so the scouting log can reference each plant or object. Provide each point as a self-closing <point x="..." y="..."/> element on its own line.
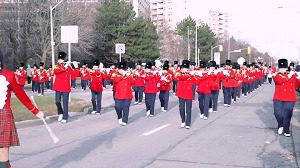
<point x="62" y="77"/>
<point x="138" y="80"/>
<point x="21" y="77"/>
<point x="42" y="76"/>
<point x="214" y="81"/>
<point x="228" y="81"/>
<point x="84" y="74"/>
<point x="111" y="72"/>
<point x="75" y="73"/>
<point x="34" y="75"/>
<point x="185" y="86"/>
<point x="203" y="83"/>
<point x="151" y="82"/>
<point x="96" y="80"/>
<point x="122" y="86"/>
<point x="285" y="88"/>
<point x="50" y="74"/>
<point x="165" y="85"/>
<point x="8" y="84"/>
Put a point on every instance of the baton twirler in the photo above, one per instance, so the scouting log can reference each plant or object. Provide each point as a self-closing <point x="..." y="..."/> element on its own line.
<point x="52" y="135"/>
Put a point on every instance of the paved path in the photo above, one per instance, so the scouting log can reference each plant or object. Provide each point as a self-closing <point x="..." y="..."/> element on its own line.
<point x="243" y="135"/>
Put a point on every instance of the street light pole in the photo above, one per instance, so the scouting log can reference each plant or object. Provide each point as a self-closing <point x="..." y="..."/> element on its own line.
<point x="196" y="46"/>
<point x="189" y="47"/>
<point x="51" y="27"/>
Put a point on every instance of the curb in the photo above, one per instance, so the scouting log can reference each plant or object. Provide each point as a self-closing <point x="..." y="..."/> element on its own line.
<point x="50" y="119"/>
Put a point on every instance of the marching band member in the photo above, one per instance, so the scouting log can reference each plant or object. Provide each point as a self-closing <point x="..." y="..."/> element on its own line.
<point x="84" y="74"/>
<point x="185" y="81"/>
<point x="214" y="75"/>
<point x="165" y="82"/>
<point x="235" y="84"/>
<point x="112" y="71"/>
<point x="9" y="136"/>
<point x="49" y="81"/>
<point x="122" y="80"/>
<point x="96" y="87"/>
<point x="34" y="74"/>
<point x="62" y="87"/>
<point x="175" y="69"/>
<point x="269" y="75"/>
<point x="228" y="83"/>
<point x="245" y="76"/>
<point x="42" y="78"/>
<point x="193" y="64"/>
<point x="21" y="76"/>
<point x="75" y="74"/>
<point x="139" y="83"/>
<point x="284" y="96"/>
<point x="151" y="81"/>
<point x="203" y="90"/>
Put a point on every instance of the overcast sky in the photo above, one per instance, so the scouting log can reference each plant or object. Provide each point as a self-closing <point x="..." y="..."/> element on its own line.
<point x="259" y="22"/>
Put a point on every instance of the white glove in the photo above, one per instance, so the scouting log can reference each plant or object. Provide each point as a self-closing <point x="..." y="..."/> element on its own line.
<point x="217" y="71"/>
<point x="298" y="75"/>
<point x="209" y="72"/>
<point x="137" y="73"/>
<point x="192" y="73"/>
<point x="200" y="73"/>
<point x="75" y="65"/>
<point x="40" y="115"/>
<point x="128" y="73"/>
<point x="123" y="73"/>
<point x="67" y="64"/>
<point x="291" y="74"/>
<point x="107" y="70"/>
<point x="160" y="73"/>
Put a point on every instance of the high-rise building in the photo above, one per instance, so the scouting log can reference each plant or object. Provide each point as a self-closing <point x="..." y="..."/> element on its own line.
<point x="161" y="13"/>
<point x="218" y="22"/>
<point x="141" y="7"/>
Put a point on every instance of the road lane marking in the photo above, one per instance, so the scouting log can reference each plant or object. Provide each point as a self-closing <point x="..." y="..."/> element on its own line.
<point x="155" y="130"/>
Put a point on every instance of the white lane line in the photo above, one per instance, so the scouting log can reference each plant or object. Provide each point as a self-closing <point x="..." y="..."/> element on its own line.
<point x="155" y="130"/>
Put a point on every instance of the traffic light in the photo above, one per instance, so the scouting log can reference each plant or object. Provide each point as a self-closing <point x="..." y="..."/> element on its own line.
<point x="249" y="50"/>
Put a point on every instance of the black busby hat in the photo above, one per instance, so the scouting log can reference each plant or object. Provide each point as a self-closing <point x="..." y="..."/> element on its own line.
<point x="222" y="65"/>
<point x="96" y="63"/>
<point x="228" y="62"/>
<point x="193" y="63"/>
<point x="175" y="62"/>
<point x="203" y="64"/>
<point x="50" y="66"/>
<point x="42" y="64"/>
<point x="22" y="64"/>
<point x="122" y="65"/>
<point x="166" y="67"/>
<point x="245" y="63"/>
<point x="35" y="65"/>
<point x="17" y="67"/>
<point x="292" y="64"/>
<point x="282" y="63"/>
<point x="212" y="64"/>
<point x="139" y="63"/>
<point x="167" y="62"/>
<point x="61" y="55"/>
<point x="153" y="63"/>
<point x="185" y="64"/>
<point x="149" y="65"/>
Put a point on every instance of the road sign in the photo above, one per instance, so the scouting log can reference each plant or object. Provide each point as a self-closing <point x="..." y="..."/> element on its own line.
<point x="120" y="48"/>
<point x="69" y="34"/>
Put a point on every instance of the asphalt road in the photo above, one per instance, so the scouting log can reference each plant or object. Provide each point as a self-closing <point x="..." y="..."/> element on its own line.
<point x="243" y="135"/>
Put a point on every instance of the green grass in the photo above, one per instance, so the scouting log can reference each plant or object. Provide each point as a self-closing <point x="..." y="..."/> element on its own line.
<point x="45" y="104"/>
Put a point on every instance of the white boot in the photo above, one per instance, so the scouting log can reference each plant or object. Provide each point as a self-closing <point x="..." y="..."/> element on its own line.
<point x="210" y="110"/>
<point x="93" y="112"/>
<point x="201" y="116"/>
<point x="148" y="113"/>
<point x="280" y="130"/>
<point x="120" y="121"/>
